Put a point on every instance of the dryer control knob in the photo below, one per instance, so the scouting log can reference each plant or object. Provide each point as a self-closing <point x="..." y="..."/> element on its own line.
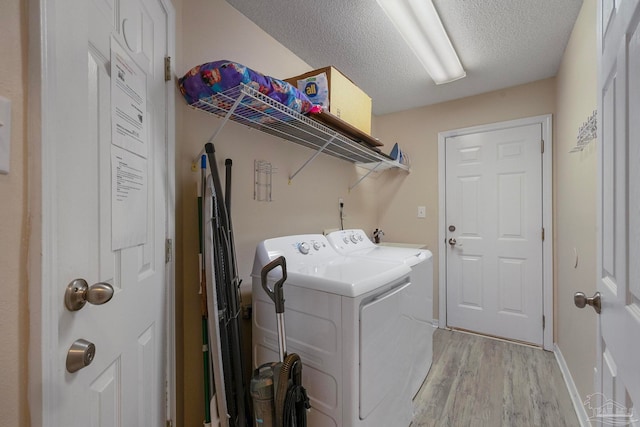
<point x="316" y="246"/>
<point x="360" y="237"/>
<point x="353" y="238"/>
<point x="304" y="248"/>
<point x="345" y="239"/>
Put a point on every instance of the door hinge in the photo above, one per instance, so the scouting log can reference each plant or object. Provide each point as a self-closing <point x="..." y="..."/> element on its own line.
<point x="168" y="251"/>
<point x="167" y="68"/>
<point x="542" y="146"/>
<point x="543" y="322"/>
<point x="543" y="234"/>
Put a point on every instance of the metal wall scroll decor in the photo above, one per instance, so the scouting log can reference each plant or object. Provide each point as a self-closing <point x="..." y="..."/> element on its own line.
<point x="587" y="132"/>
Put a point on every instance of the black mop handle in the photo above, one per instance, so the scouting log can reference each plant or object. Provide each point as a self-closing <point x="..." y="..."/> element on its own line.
<point x="227" y="185"/>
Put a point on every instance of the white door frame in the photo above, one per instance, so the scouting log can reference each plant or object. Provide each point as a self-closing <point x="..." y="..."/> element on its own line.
<point x="547" y="216"/>
<point x="43" y="301"/>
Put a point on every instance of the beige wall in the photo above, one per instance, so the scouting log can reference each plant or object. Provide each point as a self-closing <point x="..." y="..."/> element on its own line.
<point x="417" y="130"/>
<point x="14" y="317"/>
<point x="212" y="30"/>
<point x="575" y="201"/>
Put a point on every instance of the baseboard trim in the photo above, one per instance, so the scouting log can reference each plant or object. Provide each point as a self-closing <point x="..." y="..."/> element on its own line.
<point x="581" y="412"/>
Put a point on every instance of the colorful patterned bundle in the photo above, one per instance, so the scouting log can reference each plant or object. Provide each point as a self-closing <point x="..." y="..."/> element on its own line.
<point x="205" y="81"/>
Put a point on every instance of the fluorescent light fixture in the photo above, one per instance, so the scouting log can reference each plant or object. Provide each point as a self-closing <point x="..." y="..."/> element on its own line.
<point x="420" y="26"/>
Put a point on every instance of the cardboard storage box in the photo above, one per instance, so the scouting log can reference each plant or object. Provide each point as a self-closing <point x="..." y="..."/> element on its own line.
<point x="346" y="100"/>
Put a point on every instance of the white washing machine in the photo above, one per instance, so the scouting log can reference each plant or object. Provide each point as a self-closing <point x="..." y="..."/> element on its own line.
<point x="419" y="296"/>
<point x="344" y="318"/>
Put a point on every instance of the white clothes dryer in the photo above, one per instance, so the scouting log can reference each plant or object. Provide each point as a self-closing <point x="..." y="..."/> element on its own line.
<point x="344" y="319"/>
<point x="418" y="298"/>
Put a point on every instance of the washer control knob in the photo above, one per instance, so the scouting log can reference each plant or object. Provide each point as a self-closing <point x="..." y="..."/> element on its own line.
<point x="353" y="238"/>
<point x="304" y="248"/>
<point x="360" y="237"/>
<point x="345" y="239"/>
<point x="316" y="246"/>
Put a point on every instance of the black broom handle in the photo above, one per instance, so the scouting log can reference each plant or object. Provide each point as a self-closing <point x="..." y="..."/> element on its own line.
<point x="227" y="185"/>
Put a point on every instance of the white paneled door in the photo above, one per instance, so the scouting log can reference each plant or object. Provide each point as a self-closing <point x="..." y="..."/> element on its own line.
<point x="617" y="396"/>
<point x="494" y="277"/>
<point x="125" y="383"/>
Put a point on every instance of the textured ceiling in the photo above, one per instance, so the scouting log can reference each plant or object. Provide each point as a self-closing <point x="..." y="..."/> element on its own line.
<point x="501" y="43"/>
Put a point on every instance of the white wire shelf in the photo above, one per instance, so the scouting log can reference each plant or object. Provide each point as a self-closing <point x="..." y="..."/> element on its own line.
<point x="245" y="105"/>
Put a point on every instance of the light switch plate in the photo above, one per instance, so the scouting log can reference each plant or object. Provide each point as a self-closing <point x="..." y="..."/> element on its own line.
<point x="422" y="211"/>
<point x="5" y="135"/>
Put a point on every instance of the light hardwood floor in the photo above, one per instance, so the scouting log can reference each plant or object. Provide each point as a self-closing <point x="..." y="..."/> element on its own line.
<point x="479" y="381"/>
